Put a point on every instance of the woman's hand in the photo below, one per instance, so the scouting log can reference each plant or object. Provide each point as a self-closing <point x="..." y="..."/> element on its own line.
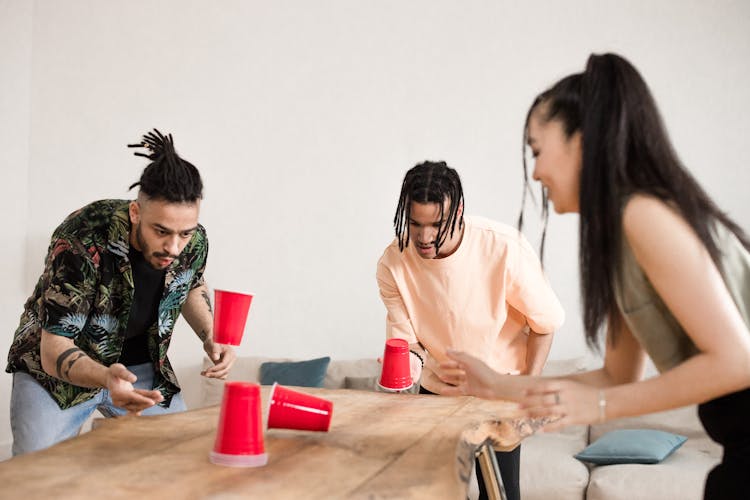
<point x="573" y="402"/>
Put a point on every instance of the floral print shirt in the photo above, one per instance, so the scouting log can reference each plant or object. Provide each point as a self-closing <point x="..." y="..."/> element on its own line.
<point x="86" y="291"/>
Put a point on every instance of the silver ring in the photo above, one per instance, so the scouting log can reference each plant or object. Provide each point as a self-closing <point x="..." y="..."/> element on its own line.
<point x="557" y="398"/>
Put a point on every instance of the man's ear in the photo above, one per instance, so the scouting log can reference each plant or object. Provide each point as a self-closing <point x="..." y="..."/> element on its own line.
<point x="134" y="210"/>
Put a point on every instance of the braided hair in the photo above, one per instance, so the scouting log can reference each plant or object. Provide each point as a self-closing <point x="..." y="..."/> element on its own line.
<point x="168" y="177"/>
<point x="429" y="182"/>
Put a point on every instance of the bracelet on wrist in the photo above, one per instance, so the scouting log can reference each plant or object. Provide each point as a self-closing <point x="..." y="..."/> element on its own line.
<point x="602" y="406"/>
<point x="419" y="357"/>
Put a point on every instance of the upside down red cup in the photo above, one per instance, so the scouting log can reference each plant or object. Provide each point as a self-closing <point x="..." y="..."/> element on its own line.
<point x="230" y="315"/>
<point x="395" y="374"/>
<point x="288" y="409"/>
<point x="239" y="437"/>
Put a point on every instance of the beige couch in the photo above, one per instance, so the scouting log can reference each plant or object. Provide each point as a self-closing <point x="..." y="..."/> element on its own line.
<point x="548" y="468"/>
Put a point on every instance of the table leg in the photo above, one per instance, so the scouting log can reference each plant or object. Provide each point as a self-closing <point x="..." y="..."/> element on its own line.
<point x="493" y="482"/>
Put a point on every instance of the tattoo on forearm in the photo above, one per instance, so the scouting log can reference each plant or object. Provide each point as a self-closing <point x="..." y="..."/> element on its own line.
<point x="61" y="359"/>
<point x="204" y="294"/>
<point x="66" y="373"/>
<point x="203" y="335"/>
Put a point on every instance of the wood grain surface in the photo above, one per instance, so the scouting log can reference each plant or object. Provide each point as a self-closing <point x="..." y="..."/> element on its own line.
<point x="379" y="446"/>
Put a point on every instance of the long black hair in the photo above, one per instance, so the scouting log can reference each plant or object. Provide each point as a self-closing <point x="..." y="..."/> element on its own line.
<point x="626" y="150"/>
<point x="168" y="177"/>
<point x="564" y="107"/>
<point x="429" y="182"/>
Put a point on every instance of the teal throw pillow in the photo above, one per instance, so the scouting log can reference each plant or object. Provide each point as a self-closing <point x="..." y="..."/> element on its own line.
<point x="631" y="446"/>
<point x="310" y="373"/>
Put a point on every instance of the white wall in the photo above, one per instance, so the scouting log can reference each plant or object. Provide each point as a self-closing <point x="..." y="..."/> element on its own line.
<point x="15" y="82"/>
<point x="304" y="116"/>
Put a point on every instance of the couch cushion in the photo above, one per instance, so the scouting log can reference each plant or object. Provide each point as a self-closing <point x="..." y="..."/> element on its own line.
<point x="631" y="446"/>
<point x="360" y="383"/>
<point x="680" y="477"/>
<point x="340" y="369"/>
<point x="680" y="421"/>
<point x="308" y="373"/>
<point x="548" y="469"/>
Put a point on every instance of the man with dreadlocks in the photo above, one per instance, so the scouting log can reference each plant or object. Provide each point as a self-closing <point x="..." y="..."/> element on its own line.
<point x="464" y="283"/>
<point x="95" y="332"/>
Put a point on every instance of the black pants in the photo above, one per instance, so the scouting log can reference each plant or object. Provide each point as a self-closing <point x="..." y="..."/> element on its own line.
<point x="725" y="420"/>
<point x="509" y="463"/>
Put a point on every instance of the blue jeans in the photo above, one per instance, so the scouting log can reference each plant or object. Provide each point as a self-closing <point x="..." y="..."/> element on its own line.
<point x="38" y="422"/>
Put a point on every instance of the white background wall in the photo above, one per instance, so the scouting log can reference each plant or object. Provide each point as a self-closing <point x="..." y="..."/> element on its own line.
<point x="304" y="116"/>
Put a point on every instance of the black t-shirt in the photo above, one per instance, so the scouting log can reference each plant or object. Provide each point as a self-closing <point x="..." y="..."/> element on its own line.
<point x="149" y="286"/>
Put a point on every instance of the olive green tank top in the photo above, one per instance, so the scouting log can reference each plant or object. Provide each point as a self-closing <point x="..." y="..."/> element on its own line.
<point x="649" y="319"/>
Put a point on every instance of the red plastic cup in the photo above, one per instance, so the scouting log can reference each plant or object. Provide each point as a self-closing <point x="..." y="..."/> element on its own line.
<point x="288" y="409"/>
<point x="239" y="437"/>
<point x="395" y="374"/>
<point x="230" y="315"/>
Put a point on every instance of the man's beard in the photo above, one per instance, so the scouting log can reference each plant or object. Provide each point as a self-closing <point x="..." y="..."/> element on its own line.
<point x="146" y="250"/>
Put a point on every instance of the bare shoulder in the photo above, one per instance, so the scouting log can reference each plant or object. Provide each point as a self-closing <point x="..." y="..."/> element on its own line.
<point x="656" y="230"/>
<point x="642" y="207"/>
<point x="648" y="216"/>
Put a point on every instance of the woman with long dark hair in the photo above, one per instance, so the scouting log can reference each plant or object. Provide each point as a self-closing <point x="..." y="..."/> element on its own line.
<point x="664" y="272"/>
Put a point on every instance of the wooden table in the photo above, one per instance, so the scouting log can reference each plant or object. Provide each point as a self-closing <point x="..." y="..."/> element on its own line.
<point x="379" y="446"/>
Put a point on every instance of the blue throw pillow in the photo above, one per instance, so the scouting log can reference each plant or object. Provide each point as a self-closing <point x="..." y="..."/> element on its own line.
<point x="631" y="446"/>
<point x="310" y="373"/>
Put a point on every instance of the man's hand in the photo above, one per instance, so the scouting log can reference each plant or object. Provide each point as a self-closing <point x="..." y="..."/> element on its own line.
<point x="62" y="359"/>
<point x="198" y="314"/>
<point x="119" y="383"/>
<point x="438" y="378"/>
<point x="470" y="376"/>
<point x="223" y="357"/>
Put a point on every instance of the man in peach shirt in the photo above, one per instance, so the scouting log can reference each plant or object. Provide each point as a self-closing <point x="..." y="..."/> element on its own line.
<point x="470" y="284"/>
